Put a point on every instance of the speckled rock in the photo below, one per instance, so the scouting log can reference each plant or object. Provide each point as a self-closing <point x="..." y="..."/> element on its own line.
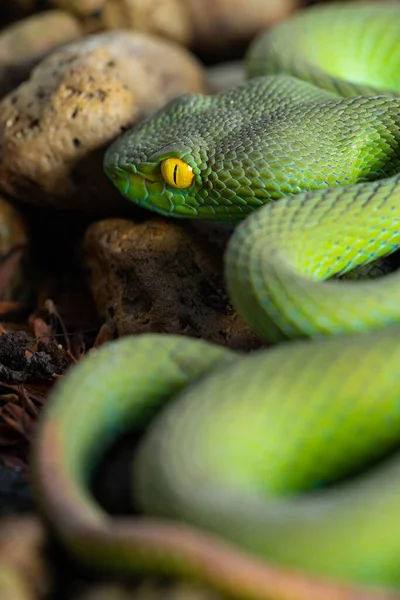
<point x="212" y="27"/>
<point x="55" y="127"/>
<point x="162" y="276"/>
<point x="167" y="18"/>
<point x="24" y="43"/>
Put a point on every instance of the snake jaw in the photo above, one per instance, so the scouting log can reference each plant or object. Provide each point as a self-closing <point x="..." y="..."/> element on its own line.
<point x="144" y="185"/>
<point x="151" y="192"/>
<point x="155" y="195"/>
<point x="119" y="178"/>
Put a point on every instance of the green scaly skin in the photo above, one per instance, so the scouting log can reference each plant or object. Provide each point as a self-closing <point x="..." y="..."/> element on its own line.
<point x="274" y="475"/>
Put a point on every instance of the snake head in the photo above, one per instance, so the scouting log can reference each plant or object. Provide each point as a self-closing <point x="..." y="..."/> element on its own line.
<point x="157" y="164"/>
<point x="221" y="157"/>
<point x="184" y="160"/>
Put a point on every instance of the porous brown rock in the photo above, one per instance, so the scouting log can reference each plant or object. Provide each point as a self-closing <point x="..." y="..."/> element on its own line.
<point x="162" y="276"/>
<point x="55" y="127"/>
<point x="24" y="43"/>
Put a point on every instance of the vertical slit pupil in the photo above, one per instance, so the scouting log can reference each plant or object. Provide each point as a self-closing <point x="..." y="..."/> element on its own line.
<point x="175" y="173"/>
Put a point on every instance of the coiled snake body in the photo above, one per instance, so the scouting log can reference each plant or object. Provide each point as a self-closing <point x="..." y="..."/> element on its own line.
<point x="257" y="472"/>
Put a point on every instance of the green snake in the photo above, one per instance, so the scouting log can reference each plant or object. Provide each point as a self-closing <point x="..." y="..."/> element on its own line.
<point x="273" y="474"/>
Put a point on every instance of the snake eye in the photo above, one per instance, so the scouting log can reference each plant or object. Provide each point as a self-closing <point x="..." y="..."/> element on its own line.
<point x="177" y="173"/>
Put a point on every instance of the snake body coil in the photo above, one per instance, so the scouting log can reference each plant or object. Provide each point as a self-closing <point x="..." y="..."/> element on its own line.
<point x="258" y="471"/>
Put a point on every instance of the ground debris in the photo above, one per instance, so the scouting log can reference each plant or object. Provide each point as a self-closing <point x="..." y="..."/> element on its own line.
<point x="19" y="361"/>
<point x="34" y="354"/>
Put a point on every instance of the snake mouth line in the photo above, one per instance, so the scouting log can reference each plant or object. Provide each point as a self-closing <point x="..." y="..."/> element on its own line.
<point x="155" y="196"/>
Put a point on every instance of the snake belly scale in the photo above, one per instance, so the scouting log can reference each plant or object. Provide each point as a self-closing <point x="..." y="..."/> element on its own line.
<point x="276" y="474"/>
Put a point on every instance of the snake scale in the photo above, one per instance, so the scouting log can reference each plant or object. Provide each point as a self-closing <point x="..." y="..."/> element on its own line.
<point x="273" y="474"/>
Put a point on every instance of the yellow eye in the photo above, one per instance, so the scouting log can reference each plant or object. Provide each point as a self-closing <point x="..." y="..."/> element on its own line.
<point x="177" y="173"/>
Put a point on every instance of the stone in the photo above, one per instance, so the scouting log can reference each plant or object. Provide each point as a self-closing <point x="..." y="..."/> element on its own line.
<point x="163" y="276"/>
